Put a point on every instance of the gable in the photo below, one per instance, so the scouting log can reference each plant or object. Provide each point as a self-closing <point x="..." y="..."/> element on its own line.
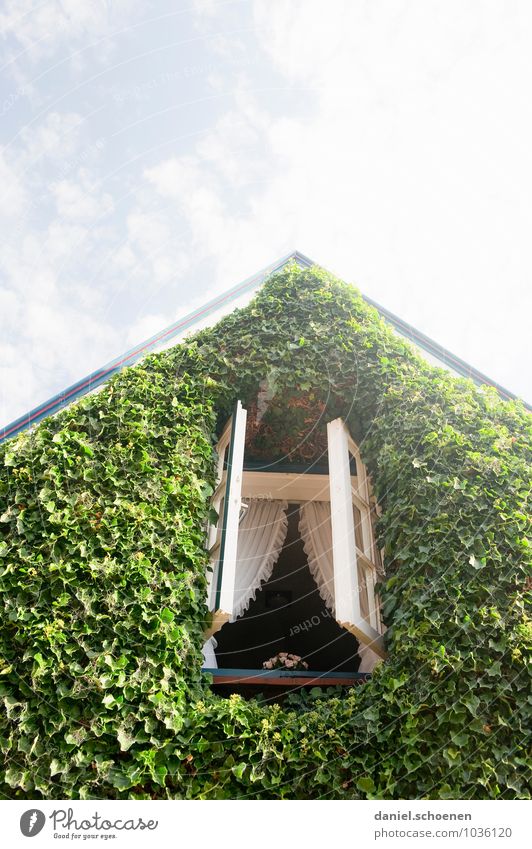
<point x="435" y="353"/>
<point x="103" y="575"/>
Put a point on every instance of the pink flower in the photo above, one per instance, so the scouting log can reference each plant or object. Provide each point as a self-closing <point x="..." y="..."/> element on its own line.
<point x="289" y="663"/>
<point x="267" y="664"/>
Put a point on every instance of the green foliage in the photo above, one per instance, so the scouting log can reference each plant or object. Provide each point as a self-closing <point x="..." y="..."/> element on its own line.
<point x="102" y="575"/>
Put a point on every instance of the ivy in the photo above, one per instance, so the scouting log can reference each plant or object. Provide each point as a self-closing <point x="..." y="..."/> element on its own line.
<point x="103" y="573"/>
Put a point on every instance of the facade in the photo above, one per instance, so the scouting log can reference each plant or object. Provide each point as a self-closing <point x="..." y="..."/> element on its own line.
<point x="298" y="461"/>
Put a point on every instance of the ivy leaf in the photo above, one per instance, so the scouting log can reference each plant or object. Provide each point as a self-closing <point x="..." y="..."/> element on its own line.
<point x="125" y="739"/>
<point x="166" y="615"/>
<point x="445" y="792"/>
<point x="460" y="739"/>
<point x="366" y="784"/>
<point x="239" y="769"/>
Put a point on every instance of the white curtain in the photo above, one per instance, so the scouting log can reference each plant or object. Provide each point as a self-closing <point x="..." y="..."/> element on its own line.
<point x="316" y="532"/>
<point x="261" y="535"/>
<point x="209" y="657"/>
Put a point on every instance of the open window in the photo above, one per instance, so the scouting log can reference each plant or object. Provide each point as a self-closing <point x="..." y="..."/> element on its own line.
<point x="248" y="547"/>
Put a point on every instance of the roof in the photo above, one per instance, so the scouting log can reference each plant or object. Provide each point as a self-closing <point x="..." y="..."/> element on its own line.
<point x="171" y="333"/>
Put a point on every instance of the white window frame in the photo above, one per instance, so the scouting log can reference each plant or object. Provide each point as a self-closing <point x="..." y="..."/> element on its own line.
<point x="223" y="536"/>
<point x="355" y="571"/>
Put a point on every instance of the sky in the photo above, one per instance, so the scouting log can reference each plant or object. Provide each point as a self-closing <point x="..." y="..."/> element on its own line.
<point x="156" y="153"/>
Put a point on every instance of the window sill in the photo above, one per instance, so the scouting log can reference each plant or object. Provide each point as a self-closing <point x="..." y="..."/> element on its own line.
<point x="285" y="677"/>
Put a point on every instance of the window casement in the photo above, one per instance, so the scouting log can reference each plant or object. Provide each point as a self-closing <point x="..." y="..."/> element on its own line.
<point x="355" y="557"/>
<point x="227" y="504"/>
<point x="346" y="488"/>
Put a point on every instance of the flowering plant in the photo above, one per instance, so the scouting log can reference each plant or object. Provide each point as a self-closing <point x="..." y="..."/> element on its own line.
<point x="283" y="660"/>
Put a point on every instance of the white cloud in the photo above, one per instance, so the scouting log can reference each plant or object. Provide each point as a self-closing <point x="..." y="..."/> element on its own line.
<point x="170" y="177"/>
<point x="81" y="200"/>
<point x="204" y="7"/>
<point x="39" y="29"/>
<point x="49" y="302"/>
<point x="9" y="307"/>
<point x="153" y="248"/>
<point x="13" y="193"/>
<point x="57" y="136"/>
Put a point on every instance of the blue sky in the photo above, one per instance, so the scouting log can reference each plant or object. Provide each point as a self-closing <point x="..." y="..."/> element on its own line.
<point x="156" y="153"/>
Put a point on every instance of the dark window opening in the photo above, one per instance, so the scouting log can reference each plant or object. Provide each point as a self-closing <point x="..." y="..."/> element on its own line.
<point x="288" y="615"/>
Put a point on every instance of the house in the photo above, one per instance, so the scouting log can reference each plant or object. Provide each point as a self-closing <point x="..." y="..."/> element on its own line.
<point x="362" y="510"/>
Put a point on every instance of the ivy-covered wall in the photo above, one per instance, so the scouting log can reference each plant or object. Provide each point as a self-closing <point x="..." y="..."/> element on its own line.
<point x="102" y="575"/>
